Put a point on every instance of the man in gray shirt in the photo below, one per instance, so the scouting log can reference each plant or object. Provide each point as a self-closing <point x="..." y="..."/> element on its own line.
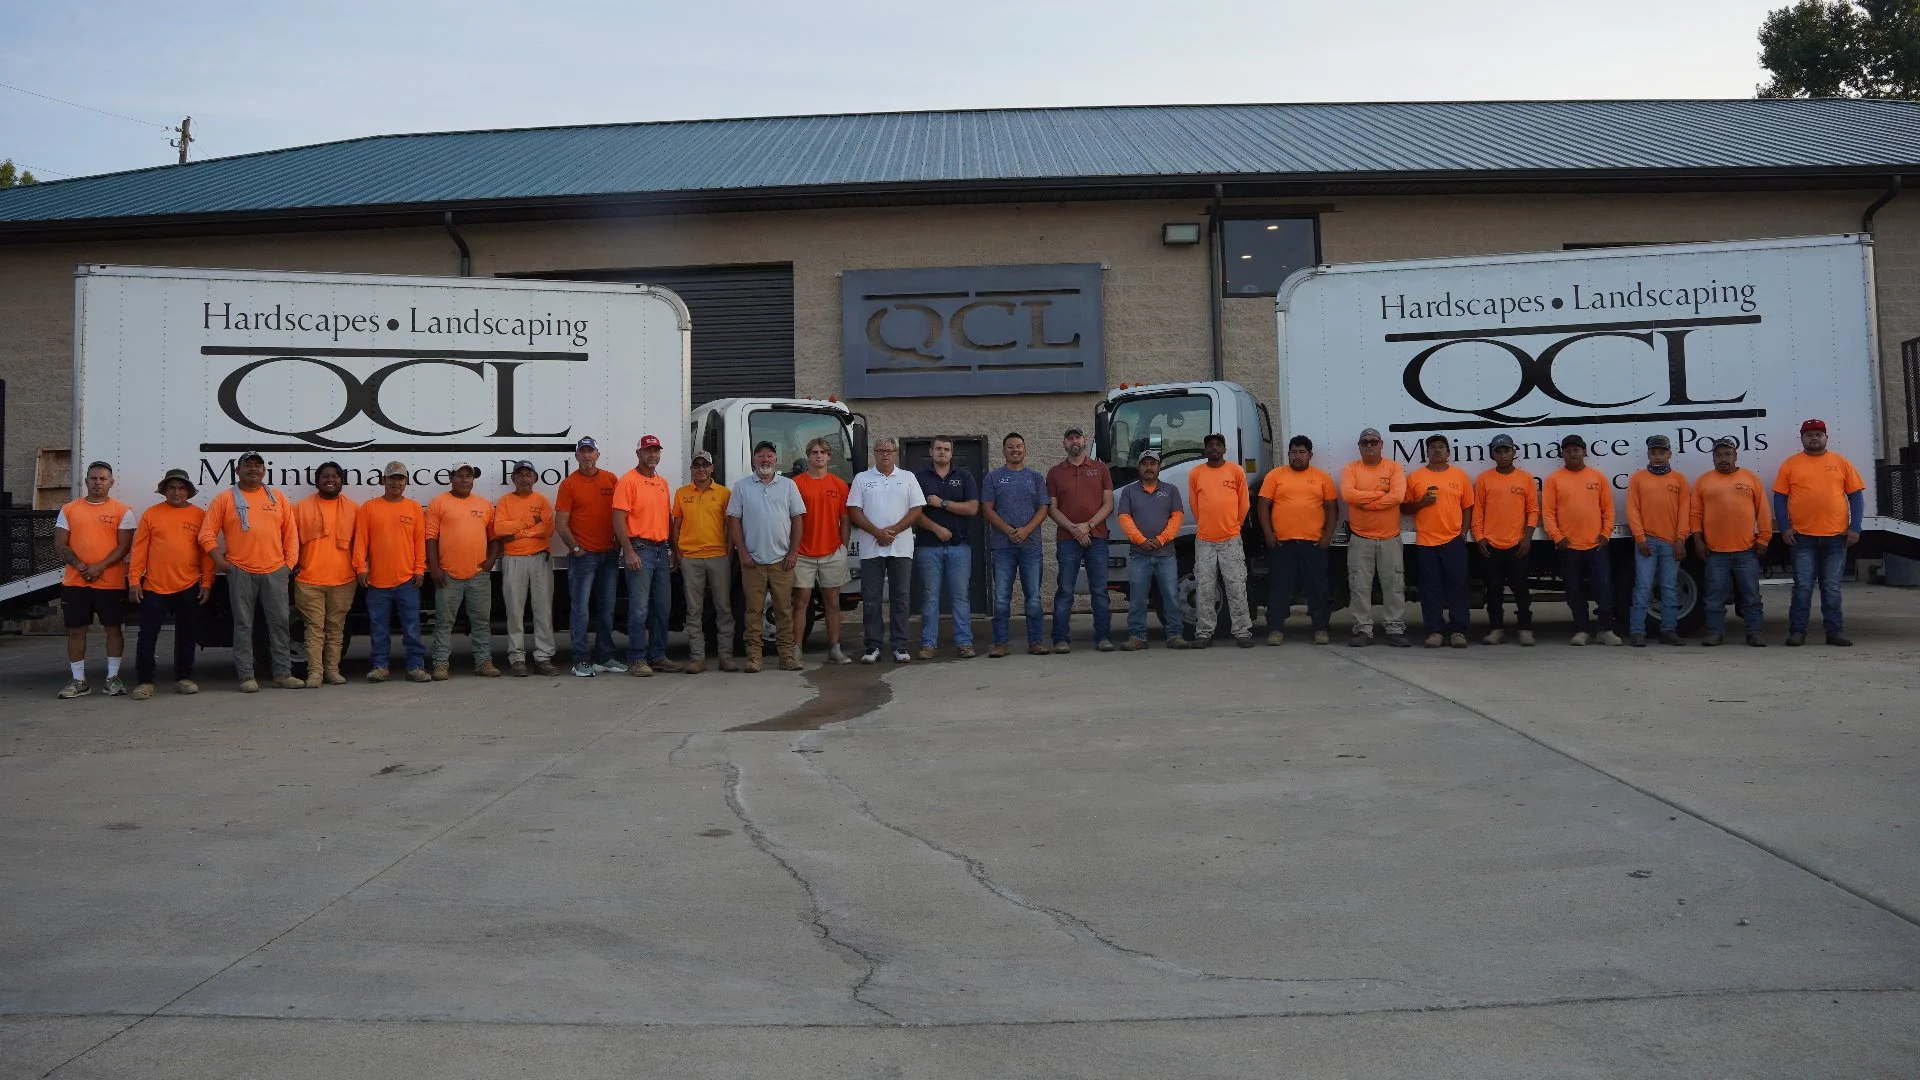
<point x="764" y="517"/>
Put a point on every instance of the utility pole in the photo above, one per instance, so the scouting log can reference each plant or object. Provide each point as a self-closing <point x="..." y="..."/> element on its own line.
<point x="185" y="131"/>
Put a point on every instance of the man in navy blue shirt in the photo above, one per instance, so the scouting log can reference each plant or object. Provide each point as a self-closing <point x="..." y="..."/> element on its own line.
<point x="1014" y="501"/>
<point x="942" y="549"/>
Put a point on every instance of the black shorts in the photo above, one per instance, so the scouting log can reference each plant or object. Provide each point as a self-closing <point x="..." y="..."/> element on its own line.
<point x="80" y="603"/>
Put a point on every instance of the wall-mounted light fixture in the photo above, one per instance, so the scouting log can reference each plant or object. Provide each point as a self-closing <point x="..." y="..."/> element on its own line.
<point x="1180" y="232"/>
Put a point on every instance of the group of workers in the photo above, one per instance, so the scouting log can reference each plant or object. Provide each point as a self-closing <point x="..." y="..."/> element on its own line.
<point x="790" y="536"/>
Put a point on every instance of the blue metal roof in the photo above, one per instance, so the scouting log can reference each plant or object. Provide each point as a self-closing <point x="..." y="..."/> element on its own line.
<point x="1033" y="147"/>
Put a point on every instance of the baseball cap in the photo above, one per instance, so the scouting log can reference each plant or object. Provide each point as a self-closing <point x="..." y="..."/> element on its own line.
<point x="586" y="443"/>
<point x="527" y="465"/>
<point x="255" y="455"/>
<point x="702" y="455"/>
<point x="1813" y="425"/>
<point x="1147" y="453"/>
<point x="1574" y="440"/>
<point x="1659" y="442"/>
<point x="180" y="475"/>
<point x="1727" y="440"/>
<point x="1500" y="441"/>
<point x="1369" y="433"/>
<point x="648" y="442"/>
<point x="396" y="468"/>
<point x="1071" y="432"/>
<point x="469" y="466"/>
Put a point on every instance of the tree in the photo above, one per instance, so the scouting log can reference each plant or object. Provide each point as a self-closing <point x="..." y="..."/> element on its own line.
<point x="13" y="177"/>
<point x="1842" y="48"/>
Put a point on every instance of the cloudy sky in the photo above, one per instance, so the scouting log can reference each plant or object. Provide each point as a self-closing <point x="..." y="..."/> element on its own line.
<point x="257" y="76"/>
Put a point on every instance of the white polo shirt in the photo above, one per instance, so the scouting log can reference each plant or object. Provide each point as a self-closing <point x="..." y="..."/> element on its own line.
<point x="885" y="498"/>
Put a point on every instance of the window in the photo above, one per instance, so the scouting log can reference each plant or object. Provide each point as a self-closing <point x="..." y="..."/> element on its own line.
<point x="1260" y="253"/>
<point x="790" y="430"/>
<point x="1176" y="424"/>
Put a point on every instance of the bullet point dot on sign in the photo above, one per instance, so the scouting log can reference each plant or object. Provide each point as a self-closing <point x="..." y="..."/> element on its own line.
<point x="394" y="324"/>
<point x="1559" y="303"/>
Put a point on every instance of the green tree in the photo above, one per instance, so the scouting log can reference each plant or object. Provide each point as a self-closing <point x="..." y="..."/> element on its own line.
<point x="1842" y="48"/>
<point x="14" y="177"/>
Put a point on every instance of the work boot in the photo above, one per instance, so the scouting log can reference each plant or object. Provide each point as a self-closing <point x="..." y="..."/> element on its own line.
<point x="1038" y="648"/>
<point x="641" y="669"/>
<point x="1177" y="642"/>
<point x="333" y="677"/>
<point x="752" y="666"/>
<point x="928" y="652"/>
<point x="143" y="691"/>
<point x="1205" y="642"/>
<point x="1756" y="641"/>
<point x="1361" y="639"/>
<point x="792" y="663"/>
<point x="1321" y="637"/>
<point x="1841" y="640"/>
<point x="1062" y="648"/>
<point x="378" y="674"/>
<point x="249" y="686"/>
<point x="666" y="665"/>
<point x="1436" y="641"/>
<point x="1103" y="645"/>
<point x="186" y="686"/>
<point x="518" y="669"/>
<point x="1275" y="637"/>
<point x="288" y="682"/>
<point x="696" y="667"/>
<point x="545" y="667"/>
<point x="1526" y="638"/>
<point x="728" y="663"/>
<point x="1000" y="651"/>
<point x="1457" y="640"/>
<point x="1796" y="640"/>
<point x="1244" y="641"/>
<point x="314" y="679"/>
<point x="1669" y="637"/>
<point x="1399" y="641"/>
<point x="441" y="673"/>
<point x="486" y="670"/>
<point x="964" y="652"/>
<point x="1607" y="637"/>
<point x="1494" y="637"/>
<point x="418" y="674"/>
<point x="1133" y="644"/>
<point x="1712" y="639"/>
<point x="1638" y="641"/>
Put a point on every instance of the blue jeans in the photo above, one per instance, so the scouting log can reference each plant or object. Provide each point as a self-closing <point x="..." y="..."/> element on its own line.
<point x="591" y="576"/>
<point x="1821" y="559"/>
<point x="1726" y="569"/>
<point x="1026" y="560"/>
<point x="1664" y="564"/>
<point x="1162" y="571"/>
<point x="1443" y="586"/>
<point x="381" y="604"/>
<point x="649" y="598"/>
<point x="951" y="566"/>
<point x="1072" y="557"/>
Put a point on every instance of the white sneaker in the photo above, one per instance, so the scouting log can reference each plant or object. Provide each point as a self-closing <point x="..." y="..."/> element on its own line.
<point x="1579" y="638"/>
<point x="835" y="656"/>
<point x="900" y="656"/>
<point x="871" y="656"/>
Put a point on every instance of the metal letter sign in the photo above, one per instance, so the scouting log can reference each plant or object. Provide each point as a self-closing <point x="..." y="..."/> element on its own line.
<point x="947" y="331"/>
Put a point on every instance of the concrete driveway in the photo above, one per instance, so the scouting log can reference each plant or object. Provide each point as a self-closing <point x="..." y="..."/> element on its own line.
<point x="1324" y="862"/>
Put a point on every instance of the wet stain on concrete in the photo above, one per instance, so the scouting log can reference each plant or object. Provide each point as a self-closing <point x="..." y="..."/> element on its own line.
<point x="121" y="826"/>
<point x="716" y="832"/>
<point x="844" y="692"/>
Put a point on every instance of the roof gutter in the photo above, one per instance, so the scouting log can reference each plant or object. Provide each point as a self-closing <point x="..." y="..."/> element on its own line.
<point x="1866" y="219"/>
<point x="466" y="256"/>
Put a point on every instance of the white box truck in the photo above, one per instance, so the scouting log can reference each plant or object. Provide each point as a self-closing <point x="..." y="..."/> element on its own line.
<point x="188" y="368"/>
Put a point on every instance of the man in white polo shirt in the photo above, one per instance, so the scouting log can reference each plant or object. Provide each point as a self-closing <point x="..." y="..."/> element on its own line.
<point x="884" y="504"/>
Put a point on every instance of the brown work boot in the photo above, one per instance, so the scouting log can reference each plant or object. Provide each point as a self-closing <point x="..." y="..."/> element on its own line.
<point x="545" y="667"/>
<point x="669" y="666"/>
<point x="486" y="670"/>
<point x="1321" y="637"/>
<point x="1457" y="641"/>
<point x="928" y="652"/>
<point x="641" y="670"/>
<point x="752" y="666"/>
<point x="791" y="663"/>
<point x="964" y="652"/>
<point x="1062" y="648"/>
<point x="378" y="674"/>
<point x="418" y="674"/>
<point x="1037" y="649"/>
<point x="186" y="686"/>
<point x="334" y="678"/>
<point x="313" y="679"/>
<point x="1275" y="637"/>
<point x="696" y="667"/>
<point x="999" y="651"/>
<point x="288" y="682"/>
<point x="1436" y="641"/>
<point x="518" y="669"/>
<point x="441" y="673"/>
<point x="728" y="663"/>
<point x="1177" y="642"/>
<point x="1134" y="644"/>
<point x="142" y="692"/>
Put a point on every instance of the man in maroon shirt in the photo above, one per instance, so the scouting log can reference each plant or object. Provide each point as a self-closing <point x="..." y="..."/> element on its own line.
<point x="1082" y="493"/>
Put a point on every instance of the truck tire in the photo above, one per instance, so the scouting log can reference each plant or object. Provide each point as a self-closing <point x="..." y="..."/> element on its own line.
<point x="1691" y="606"/>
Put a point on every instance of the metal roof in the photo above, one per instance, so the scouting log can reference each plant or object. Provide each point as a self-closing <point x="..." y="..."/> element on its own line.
<point x="1128" y="146"/>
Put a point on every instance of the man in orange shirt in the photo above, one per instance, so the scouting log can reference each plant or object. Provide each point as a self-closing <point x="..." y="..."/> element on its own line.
<point x="643" y="526"/>
<point x="1818" y="503"/>
<point x="1657" y="513"/>
<point x="583" y="519"/>
<point x="1731" y="526"/>
<point x="1298" y="506"/>
<point x="1506" y="509"/>
<point x="461" y="551"/>
<point x="1441" y="499"/>
<point x="1217" y="490"/>
<point x="168" y="575"/>
<point x="250" y="532"/>
<point x="701" y="544"/>
<point x="523" y="522"/>
<point x="1373" y="489"/>
<point x="1149" y="513"/>
<point x="92" y="535"/>
<point x="390" y="559"/>
<point x="323" y="589"/>
<point x="1576" y="507"/>
<point x="822" y="561"/>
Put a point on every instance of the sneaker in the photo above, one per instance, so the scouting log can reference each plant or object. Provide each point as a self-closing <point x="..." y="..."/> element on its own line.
<point x="1712" y="639"/>
<point x="1399" y="641"/>
<point x="441" y="673"/>
<point x="1669" y="637"/>
<point x="1841" y="640"/>
<point x="835" y="656"/>
<point x="114" y="687"/>
<point x="728" y="663"/>
<point x="518" y="669"/>
<point x="142" y="692"/>
<point x="696" y="667"/>
<point x="1756" y="641"/>
<point x="871" y="656"/>
<point x="186" y="686"/>
<point x="1103" y="645"/>
<point x="1244" y="641"/>
<point x="666" y="665"/>
<point x="1638" y="641"/>
<point x="1360" y="639"/>
<point x="1275" y="637"/>
<point x="334" y="678"/>
<point x="900" y="656"/>
<point x="641" y="670"/>
<point x="610" y="667"/>
<point x="1608" y="637"/>
<point x="1037" y="648"/>
<point x="314" y="679"/>
<point x="1321" y="637"/>
<point x="965" y="652"/>
<point x="1796" y="640"/>
<point x="1494" y="637"/>
<point x="1204" y="642"/>
<point x="288" y="682"/>
<point x="1457" y="641"/>
<point x="378" y="674"/>
<point x="1177" y="642"/>
<point x="584" y="671"/>
<point x="928" y="652"/>
<point x="792" y="663"/>
<point x="1579" y="638"/>
<point x="1526" y="638"/>
<point x="1061" y="648"/>
<point x="545" y="667"/>
<point x="752" y="666"/>
<point x="999" y="651"/>
<point x="1436" y="641"/>
<point x="78" y="688"/>
<point x="418" y="674"/>
<point x="1134" y="644"/>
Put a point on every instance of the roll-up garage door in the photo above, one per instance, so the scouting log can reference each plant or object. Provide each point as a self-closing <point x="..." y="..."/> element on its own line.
<point x="742" y="323"/>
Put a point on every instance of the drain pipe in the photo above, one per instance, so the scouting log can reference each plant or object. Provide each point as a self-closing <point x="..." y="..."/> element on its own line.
<point x="1213" y="284"/>
<point x="1866" y="219"/>
<point x="466" y="256"/>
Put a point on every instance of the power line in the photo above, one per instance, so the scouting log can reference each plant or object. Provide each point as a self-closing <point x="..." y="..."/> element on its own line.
<point x="37" y="171"/>
<point x="88" y="108"/>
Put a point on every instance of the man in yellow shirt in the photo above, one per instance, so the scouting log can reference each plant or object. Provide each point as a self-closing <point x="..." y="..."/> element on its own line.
<point x="523" y="522"/>
<point x="701" y="546"/>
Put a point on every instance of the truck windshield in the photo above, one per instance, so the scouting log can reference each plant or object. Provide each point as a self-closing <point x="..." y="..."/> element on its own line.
<point x="1177" y="423"/>
<point x="790" y="430"/>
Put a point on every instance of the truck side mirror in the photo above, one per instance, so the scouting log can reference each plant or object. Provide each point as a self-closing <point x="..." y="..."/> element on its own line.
<point x="858" y="422"/>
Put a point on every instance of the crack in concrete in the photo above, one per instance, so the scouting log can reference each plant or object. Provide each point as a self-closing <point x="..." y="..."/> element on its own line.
<point x="674" y="753"/>
<point x="816" y="914"/>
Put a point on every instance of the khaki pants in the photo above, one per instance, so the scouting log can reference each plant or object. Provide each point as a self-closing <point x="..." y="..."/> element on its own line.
<point x="756" y="581"/>
<point x="324" y="609"/>
<point x="1366" y="559"/>
<point x="522" y="576"/>
<point x="700" y="575"/>
<point x="1212" y="562"/>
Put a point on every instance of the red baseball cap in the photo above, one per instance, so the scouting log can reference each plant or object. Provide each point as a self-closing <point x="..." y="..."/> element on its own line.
<point x="1813" y="425"/>
<point x="649" y="442"/>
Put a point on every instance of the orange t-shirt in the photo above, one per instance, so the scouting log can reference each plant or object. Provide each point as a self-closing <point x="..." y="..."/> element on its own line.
<point x="390" y="542"/>
<point x="167" y="557"/>
<point x="1657" y="506"/>
<point x="1731" y="510"/>
<point x="93" y="531"/>
<point x="326" y="539"/>
<point x="1577" y="506"/>
<point x="1506" y="506"/>
<point x="1440" y="523"/>
<point x="462" y="528"/>
<point x="1816" y="489"/>
<point x="1299" y="499"/>
<point x="645" y="504"/>
<point x="269" y="541"/>
<point x="588" y="503"/>
<point x="1373" y="494"/>
<point x="513" y="522"/>
<point x="1218" y="498"/>
<point x="826" y="500"/>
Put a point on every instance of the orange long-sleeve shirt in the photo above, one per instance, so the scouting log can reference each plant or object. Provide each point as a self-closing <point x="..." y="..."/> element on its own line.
<point x="390" y="542"/>
<point x="513" y="522"/>
<point x="1447" y="517"/>
<point x="1577" y="506"/>
<point x="270" y="540"/>
<point x="1219" y="498"/>
<point x="167" y="556"/>
<point x="1506" y="506"/>
<point x="1373" y="494"/>
<point x="1657" y="506"/>
<point x="1730" y="510"/>
<point x="326" y="539"/>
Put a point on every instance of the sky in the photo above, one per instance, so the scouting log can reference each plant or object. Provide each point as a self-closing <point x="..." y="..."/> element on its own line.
<point x="263" y="75"/>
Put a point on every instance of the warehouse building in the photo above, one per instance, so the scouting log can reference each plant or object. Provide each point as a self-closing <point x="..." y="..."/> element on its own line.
<point x="975" y="273"/>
